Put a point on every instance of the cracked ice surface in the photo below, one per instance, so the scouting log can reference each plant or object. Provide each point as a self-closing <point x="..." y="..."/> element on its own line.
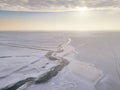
<point x="100" y="49"/>
<point x="13" y="70"/>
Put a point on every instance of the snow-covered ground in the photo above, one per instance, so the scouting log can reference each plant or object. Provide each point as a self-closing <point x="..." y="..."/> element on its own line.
<point x="95" y="66"/>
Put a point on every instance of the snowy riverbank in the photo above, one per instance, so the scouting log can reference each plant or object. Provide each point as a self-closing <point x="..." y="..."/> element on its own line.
<point x="92" y="68"/>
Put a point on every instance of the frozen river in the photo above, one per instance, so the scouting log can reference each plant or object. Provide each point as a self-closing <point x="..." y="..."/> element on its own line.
<point x="98" y="49"/>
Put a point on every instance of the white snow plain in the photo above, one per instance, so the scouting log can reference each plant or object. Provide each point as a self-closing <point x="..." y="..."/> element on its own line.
<point x="94" y="67"/>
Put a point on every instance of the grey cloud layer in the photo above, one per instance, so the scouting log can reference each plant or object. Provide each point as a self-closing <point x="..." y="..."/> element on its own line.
<point x="56" y="4"/>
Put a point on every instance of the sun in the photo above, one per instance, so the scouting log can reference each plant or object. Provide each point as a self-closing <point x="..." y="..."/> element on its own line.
<point x="82" y="9"/>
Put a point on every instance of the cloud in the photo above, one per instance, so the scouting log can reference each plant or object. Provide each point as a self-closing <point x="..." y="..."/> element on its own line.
<point x="55" y="5"/>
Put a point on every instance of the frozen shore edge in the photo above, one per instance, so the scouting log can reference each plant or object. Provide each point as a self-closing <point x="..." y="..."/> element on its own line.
<point x="39" y="78"/>
<point x="74" y="65"/>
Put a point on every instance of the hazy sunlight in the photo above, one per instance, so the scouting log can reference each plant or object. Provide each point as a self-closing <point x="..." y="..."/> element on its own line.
<point x="82" y="9"/>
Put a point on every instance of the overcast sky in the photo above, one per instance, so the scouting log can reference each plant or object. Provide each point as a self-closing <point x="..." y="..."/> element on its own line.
<point x="48" y="5"/>
<point x="54" y="15"/>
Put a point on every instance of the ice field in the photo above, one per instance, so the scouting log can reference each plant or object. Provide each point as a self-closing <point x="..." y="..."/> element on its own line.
<point x="89" y="62"/>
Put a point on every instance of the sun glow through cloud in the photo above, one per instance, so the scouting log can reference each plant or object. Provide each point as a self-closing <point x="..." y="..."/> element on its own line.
<point x="82" y="9"/>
